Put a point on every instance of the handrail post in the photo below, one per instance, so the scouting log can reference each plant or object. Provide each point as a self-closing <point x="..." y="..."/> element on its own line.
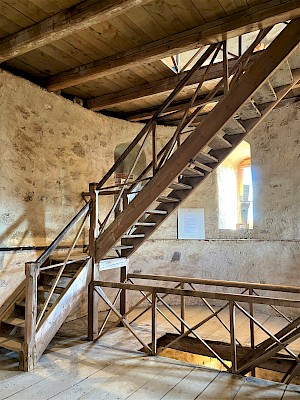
<point x="252" y="337"/>
<point x="123" y="294"/>
<point x="182" y="308"/>
<point x="234" y="366"/>
<point x="93" y="233"/>
<point x="32" y="272"/>
<point x="154" y="325"/>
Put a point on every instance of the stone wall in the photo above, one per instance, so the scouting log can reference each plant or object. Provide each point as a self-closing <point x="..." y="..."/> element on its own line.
<point x="52" y="148"/>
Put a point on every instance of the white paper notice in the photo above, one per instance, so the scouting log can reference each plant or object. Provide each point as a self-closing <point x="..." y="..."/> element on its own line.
<point x="191" y="223"/>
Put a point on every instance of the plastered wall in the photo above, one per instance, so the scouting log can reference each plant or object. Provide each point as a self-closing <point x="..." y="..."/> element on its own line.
<point x="51" y="149"/>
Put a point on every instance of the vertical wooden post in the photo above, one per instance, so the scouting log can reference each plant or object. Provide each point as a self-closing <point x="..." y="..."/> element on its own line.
<point x="252" y="338"/>
<point x="240" y="45"/>
<point x="123" y="294"/>
<point x="182" y="308"/>
<point x="32" y="272"/>
<point x="154" y="325"/>
<point x="233" y="337"/>
<point x="225" y="67"/>
<point x="93" y="233"/>
<point x="154" y="149"/>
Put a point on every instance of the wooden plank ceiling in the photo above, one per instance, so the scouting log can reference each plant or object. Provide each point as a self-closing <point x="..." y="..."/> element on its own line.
<point x="109" y="52"/>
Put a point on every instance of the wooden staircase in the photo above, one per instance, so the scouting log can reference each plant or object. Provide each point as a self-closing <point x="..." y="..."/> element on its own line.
<point x="252" y="93"/>
<point x="32" y="315"/>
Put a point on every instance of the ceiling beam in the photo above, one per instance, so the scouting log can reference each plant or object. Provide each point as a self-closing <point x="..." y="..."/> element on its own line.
<point x="259" y="16"/>
<point x="64" y="23"/>
<point x="156" y="87"/>
<point x="147" y="113"/>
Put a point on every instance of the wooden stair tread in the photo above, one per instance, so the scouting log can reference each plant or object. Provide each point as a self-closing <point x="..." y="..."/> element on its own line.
<point x="166" y="199"/>
<point x="191" y="172"/>
<point x="122" y="247"/>
<point x="144" y="223"/>
<point x="15" y="321"/>
<point x="47" y="288"/>
<point x="218" y="143"/>
<point x="206" y="158"/>
<point x="160" y="212"/>
<point x="134" y="236"/>
<point x="265" y="94"/>
<point x="22" y="304"/>
<point x="294" y="59"/>
<point x="10" y="342"/>
<point x="180" y="186"/>
<point x="202" y="166"/>
<point x="282" y="76"/>
<point x="74" y="256"/>
<point x="54" y="273"/>
<point x="233" y="127"/>
<point x="249" y="111"/>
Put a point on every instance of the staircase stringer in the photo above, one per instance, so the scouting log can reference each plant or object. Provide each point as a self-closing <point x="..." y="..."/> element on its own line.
<point x="257" y="74"/>
<point x="221" y="155"/>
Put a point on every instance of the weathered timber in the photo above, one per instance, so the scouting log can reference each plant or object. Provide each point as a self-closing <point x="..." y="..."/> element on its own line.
<point x="251" y="19"/>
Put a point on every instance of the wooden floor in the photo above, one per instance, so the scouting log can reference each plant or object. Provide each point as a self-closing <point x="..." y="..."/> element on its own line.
<point x="113" y="368"/>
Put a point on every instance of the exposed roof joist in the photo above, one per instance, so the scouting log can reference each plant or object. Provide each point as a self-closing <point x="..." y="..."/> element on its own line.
<point x="254" y="18"/>
<point x="156" y="87"/>
<point x="64" y="23"/>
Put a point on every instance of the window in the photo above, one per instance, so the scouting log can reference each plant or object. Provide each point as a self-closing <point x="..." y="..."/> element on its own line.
<point x="235" y="190"/>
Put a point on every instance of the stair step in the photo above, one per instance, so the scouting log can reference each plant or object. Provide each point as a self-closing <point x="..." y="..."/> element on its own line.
<point x="249" y="111"/>
<point x="47" y="288"/>
<point x="206" y="158"/>
<point x="202" y="166"/>
<point x="191" y="172"/>
<point x="15" y="321"/>
<point x="122" y="247"/>
<point x="10" y="342"/>
<point x="22" y="304"/>
<point x="180" y="186"/>
<point x="54" y="273"/>
<point x="282" y="76"/>
<point x="265" y="94"/>
<point x="159" y="212"/>
<point x="145" y="224"/>
<point x="218" y="143"/>
<point x="133" y="236"/>
<point x="294" y="59"/>
<point x="233" y="127"/>
<point x="166" y="199"/>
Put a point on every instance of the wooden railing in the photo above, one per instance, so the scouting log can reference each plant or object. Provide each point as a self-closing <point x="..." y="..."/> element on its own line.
<point x="249" y="295"/>
<point x="33" y="318"/>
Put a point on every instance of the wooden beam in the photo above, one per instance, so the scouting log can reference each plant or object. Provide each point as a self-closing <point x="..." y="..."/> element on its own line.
<point x="254" y="18"/>
<point x="156" y="87"/>
<point x="64" y="23"/>
<point x="249" y="82"/>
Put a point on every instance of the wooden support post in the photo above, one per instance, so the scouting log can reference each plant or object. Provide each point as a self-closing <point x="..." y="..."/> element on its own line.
<point x="182" y="308"/>
<point x="240" y="44"/>
<point x="252" y="338"/>
<point x="154" y="325"/>
<point x="225" y="67"/>
<point x="123" y="294"/>
<point x="233" y="337"/>
<point x="31" y="271"/>
<point x="93" y="298"/>
<point x="154" y="150"/>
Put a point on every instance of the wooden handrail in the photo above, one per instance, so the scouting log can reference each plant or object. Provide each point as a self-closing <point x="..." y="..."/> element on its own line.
<point x="203" y="294"/>
<point x="43" y="257"/>
<point x="213" y="282"/>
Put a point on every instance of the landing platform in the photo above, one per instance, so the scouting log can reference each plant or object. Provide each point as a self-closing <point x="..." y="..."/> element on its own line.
<point x="112" y="368"/>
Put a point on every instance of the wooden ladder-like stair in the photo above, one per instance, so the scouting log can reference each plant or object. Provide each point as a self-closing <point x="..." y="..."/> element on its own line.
<point x="272" y="75"/>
